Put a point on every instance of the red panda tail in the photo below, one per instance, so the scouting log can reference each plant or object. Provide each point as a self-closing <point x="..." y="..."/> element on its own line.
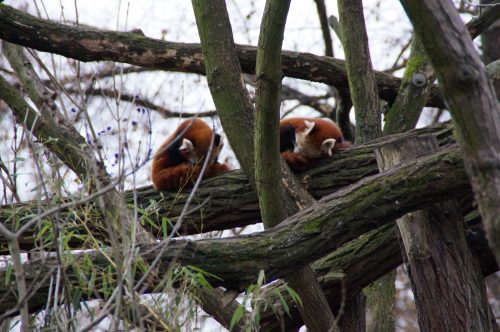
<point x="215" y="169"/>
<point x="296" y="161"/>
<point x="185" y="174"/>
<point x="173" y="177"/>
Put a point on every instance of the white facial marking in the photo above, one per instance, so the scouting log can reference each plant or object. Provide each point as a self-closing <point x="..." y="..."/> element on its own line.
<point x="309" y="126"/>
<point x="327" y="146"/>
<point x="186" y="145"/>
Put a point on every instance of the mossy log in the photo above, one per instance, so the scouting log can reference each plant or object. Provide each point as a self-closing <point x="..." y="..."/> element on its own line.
<point x="307" y="236"/>
<point x="225" y="201"/>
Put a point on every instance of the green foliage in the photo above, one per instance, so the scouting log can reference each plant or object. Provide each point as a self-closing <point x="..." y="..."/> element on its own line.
<point x="8" y="274"/>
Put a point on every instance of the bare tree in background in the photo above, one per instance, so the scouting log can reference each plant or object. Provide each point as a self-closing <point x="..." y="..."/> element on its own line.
<point x="329" y="232"/>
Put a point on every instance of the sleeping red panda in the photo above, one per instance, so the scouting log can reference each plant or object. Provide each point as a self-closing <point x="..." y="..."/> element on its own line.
<point x="180" y="158"/>
<point x="304" y="140"/>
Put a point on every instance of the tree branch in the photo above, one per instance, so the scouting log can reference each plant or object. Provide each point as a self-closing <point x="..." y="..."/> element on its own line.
<point x="362" y="84"/>
<point x="90" y="44"/>
<point x="473" y="103"/>
<point x="313" y="232"/>
<point x="230" y="201"/>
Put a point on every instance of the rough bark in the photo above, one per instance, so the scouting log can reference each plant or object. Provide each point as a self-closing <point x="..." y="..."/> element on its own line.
<point x="342" y="273"/>
<point x="380" y="313"/>
<point x="417" y="80"/>
<point x="273" y="199"/>
<point x="402" y="116"/>
<point x="229" y="200"/>
<point x="471" y="98"/>
<point x="90" y="44"/>
<point x="353" y="318"/>
<point x="364" y="97"/>
<point x="446" y="279"/>
<point x="315" y="231"/>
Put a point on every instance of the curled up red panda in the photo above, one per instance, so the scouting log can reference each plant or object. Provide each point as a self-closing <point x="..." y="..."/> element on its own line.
<point x="178" y="161"/>
<point x="305" y="140"/>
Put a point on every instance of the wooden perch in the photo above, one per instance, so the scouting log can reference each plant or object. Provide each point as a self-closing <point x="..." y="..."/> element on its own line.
<point x="229" y="200"/>
<point x="310" y="234"/>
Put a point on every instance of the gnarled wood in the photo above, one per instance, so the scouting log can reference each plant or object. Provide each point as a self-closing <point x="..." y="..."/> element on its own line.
<point x="447" y="282"/>
<point x="310" y="234"/>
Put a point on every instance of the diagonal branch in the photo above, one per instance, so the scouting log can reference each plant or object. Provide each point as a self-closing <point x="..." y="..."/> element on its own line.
<point x="230" y="202"/>
<point x="313" y="232"/>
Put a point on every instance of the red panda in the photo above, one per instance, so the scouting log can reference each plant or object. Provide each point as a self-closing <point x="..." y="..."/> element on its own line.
<point x="304" y="140"/>
<point x="180" y="158"/>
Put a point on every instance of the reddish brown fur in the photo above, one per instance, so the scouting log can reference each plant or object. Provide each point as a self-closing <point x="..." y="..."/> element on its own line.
<point x="296" y="161"/>
<point x="310" y="150"/>
<point x="171" y="170"/>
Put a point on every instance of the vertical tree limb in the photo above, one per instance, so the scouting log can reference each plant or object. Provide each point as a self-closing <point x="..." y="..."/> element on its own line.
<point x="271" y="187"/>
<point x="446" y="279"/>
<point x="414" y="89"/>
<point x="362" y="84"/>
<point x="225" y="80"/>
<point x="267" y="119"/>
<point x="473" y="104"/>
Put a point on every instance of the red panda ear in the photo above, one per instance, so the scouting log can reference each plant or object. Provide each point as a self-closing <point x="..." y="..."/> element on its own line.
<point x="327" y="146"/>
<point x="218" y="141"/>
<point x="186" y="145"/>
<point x="309" y="127"/>
<point x="216" y="149"/>
<point x="187" y="150"/>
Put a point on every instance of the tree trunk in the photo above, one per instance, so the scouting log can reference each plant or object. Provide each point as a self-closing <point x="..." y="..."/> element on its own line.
<point x="445" y="277"/>
<point x="472" y="100"/>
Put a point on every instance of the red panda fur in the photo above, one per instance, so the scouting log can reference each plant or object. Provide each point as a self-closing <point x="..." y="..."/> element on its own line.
<point x="304" y="140"/>
<point x="174" y="166"/>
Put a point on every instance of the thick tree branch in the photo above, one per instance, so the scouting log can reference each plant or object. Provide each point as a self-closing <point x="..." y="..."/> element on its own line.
<point x="267" y="105"/>
<point x="313" y="232"/>
<point x="90" y="44"/>
<point x="362" y="84"/>
<point x="445" y="276"/>
<point x="230" y="202"/>
<point x="473" y="103"/>
<point x="275" y="204"/>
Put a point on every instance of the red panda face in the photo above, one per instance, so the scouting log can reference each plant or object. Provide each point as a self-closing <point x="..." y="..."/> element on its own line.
<point x="313" y="142"/>
<point x="187" y="150"/>
<point x="195" y="150"/>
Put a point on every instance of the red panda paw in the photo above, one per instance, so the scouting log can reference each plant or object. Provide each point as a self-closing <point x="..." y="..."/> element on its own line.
<point x="296" y="161"/>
